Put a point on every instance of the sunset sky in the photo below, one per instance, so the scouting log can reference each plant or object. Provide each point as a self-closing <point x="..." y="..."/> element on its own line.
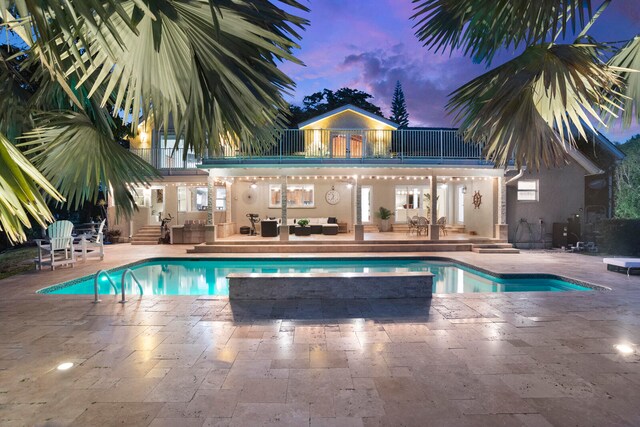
<point x="369" y="44"/>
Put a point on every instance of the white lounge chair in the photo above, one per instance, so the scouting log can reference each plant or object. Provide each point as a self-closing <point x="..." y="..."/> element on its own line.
<point x="93" y="245"/>
<point x="58" y="249"/>
<point x="617" y="264"/>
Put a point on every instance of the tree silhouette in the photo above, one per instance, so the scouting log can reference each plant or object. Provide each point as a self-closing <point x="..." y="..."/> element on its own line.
<point x="399" y="112"/>
<point x="320" y="102"/>
<point x="628" y="180"/>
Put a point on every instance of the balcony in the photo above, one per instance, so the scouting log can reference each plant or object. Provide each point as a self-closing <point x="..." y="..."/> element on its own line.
<point x="336" y="147"/>
<point x="168" y="159"/>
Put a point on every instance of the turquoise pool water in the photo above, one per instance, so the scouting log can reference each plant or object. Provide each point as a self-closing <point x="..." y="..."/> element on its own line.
<point x="208" y="277"/>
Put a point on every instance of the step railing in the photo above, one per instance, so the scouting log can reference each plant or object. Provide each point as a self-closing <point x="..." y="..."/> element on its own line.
<point x="129" y="272"/>
<point x="96" y="285"/>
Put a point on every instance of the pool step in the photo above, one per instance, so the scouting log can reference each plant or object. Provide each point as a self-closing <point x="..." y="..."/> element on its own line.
<point x="335" y="248"/>
<point x="494" y="248"/>
<point x="258" y="241"/>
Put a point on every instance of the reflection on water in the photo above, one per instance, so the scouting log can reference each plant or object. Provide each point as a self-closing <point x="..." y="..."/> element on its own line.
<point x="209" y="277"/>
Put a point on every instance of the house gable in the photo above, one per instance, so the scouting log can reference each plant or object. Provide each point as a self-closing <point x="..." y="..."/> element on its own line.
<point x="348" y="117"/>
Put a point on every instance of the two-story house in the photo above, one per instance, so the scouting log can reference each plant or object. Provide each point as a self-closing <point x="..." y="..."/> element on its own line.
<point x="347" y="163"/>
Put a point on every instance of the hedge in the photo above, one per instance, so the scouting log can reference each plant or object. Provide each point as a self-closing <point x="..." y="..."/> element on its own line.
<point x="619" y="236"/>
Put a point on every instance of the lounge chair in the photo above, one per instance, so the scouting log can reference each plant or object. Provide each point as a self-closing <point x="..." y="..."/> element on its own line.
<point x="622" y="264"/>
<point x="58" y="248"/>
<point x="93" y="245"/>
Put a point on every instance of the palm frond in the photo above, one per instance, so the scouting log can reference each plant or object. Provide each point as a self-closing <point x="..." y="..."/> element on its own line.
<point x="529" y="109"/>
<point x="20" y="198"/>
<point x="78" y="158"/>
<point x="627" y="63"/>
<point x="480" y="28"/>
<point x="214" y="75"/>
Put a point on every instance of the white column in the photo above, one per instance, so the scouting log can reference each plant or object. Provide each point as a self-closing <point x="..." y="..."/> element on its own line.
<point x="210" y="228"/>
<point x="434" y="230"/>
<point x="284" y="227"/>
<point x="501" y="228"/>
<point x="228" y="215"/>
<point x="358" y="227"/>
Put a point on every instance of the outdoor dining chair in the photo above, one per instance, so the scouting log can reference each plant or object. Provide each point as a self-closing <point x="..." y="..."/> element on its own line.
<point x="423" y="226"/>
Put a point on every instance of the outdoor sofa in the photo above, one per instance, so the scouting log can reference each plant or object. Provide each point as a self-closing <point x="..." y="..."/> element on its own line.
<point x="625" y="265"/>
<point x="327" y="226"/>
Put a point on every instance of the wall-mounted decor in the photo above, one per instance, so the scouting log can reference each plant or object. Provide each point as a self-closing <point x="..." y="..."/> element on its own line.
<point x="477" y="200"/>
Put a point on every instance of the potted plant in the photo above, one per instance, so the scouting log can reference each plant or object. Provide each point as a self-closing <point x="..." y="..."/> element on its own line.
<point x="303" y="229"/>
<point x="385" y="215"/>
<point x="113" y="236"/>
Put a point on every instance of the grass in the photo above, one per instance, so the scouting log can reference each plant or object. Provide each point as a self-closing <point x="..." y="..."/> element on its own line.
<point x="16" y="261"/>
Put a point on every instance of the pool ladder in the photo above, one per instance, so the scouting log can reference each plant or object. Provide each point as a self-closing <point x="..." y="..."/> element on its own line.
<point x="127" y="272"/>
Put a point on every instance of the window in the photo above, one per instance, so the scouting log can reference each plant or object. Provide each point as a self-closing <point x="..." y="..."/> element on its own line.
<point x="298" y="196"/>
<point x="140" y="196"/>
<point x="221" y="198"/>
<point x="192" y="199"/>
<point x="528" y="190"/>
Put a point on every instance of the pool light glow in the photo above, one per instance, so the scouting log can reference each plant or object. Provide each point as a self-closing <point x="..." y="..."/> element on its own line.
<point x="65" y="366"/>
<point x="624" y="348"/>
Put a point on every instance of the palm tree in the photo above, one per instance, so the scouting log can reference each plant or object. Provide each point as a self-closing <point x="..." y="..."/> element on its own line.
<point x="89" y="67"/>
<point x="532" y="108"/>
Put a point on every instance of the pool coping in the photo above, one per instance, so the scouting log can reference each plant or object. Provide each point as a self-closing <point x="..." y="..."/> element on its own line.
<point x="48" y="290"/>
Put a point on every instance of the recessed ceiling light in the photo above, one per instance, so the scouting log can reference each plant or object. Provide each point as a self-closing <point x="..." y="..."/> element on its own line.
<point x="65" y="366"/>
<point x="624" y="348"/>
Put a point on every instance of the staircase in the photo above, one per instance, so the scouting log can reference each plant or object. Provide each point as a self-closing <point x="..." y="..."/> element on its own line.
<point x="147" y="235"/>
<point x="494" y="248"/>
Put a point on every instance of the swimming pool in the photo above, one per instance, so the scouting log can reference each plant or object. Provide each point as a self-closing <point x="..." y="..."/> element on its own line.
<point x="209" y="277"/>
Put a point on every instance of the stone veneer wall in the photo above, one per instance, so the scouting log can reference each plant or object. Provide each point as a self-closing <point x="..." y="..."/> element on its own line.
<point x="254" y="286"/>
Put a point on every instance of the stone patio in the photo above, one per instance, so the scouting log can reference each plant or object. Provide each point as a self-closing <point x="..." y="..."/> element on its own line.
<point x="535" y="359"/>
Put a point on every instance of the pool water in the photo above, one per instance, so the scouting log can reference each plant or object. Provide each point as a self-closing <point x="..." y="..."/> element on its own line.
<point x="209" y="277"/>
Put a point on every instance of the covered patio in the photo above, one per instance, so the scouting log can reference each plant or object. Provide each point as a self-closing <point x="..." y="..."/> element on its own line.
<point x="467" y="203"/>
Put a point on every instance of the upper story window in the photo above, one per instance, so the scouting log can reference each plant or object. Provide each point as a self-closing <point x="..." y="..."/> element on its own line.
<point x="192" y="199"/>
<point x="528" y="190"/>
<point x="298" y="196"/>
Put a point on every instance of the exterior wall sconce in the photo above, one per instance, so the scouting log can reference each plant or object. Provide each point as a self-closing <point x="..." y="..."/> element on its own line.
<point x="254" y="185"/>
<point x="464" y="190"/>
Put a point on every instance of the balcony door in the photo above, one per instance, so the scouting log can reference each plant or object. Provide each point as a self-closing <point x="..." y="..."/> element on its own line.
<point x="346" y="144"/>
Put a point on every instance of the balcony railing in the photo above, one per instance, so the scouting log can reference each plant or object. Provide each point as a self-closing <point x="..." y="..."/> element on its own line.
<point x="337" y="146"/>
<point x="167" y="158"/>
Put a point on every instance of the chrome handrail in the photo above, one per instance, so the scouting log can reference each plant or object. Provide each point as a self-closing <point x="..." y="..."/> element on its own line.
<point x="95" y="284"/>
<point x="129" y="272"/>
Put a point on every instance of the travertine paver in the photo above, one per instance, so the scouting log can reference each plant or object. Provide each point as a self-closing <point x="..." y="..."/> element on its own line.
<point x="535" y="359"/>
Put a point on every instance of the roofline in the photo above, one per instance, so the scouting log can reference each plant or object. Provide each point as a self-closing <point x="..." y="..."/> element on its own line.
<point x="584" y="161"/>
<point x="346" y="108"/>
<point x="610" y="146"/>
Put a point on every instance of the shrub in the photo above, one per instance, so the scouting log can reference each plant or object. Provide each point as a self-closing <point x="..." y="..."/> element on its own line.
<point x="303" y="222"/>
<point x="619" y="236"/>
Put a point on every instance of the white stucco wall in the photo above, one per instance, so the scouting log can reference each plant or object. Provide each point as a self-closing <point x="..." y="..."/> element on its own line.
<point x="480" y="220"/>
<point x="259" y="202"/>
<point x="142" y="216"/>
